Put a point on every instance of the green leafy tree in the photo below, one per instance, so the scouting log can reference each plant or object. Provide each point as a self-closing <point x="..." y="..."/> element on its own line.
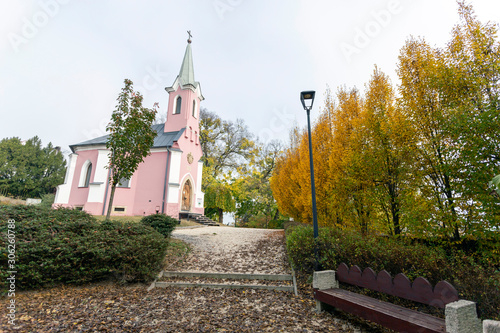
<point x="252" y="189"/>
<point x="131" y="137"/>
<point x="226" y="146"/>
<point x="470" y="90"/>
<point x="28" y="169"/>
<point x="419" y="70"/>
<point x="452" y="95"/>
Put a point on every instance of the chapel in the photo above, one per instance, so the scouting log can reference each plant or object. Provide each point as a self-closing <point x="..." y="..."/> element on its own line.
<point x="167" y="181"/>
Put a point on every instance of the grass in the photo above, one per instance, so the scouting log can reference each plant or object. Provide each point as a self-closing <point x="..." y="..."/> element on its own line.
<point x="184" y="223"/>
<point x="11" y="201"/>
<point x="120" y="218"/>
<point x="176" y="249"/>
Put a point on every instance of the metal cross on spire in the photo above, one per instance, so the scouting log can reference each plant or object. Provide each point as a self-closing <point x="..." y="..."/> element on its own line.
<point x="189" y="33"/>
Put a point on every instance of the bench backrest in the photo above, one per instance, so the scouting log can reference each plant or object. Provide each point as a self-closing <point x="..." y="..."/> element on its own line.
<point x="419" y="291"/>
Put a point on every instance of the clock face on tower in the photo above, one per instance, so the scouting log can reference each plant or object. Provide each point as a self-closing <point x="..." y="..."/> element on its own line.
<point x="190" y="158"/>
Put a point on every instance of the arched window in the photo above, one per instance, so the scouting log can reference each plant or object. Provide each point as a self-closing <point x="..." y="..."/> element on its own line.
<point x="87" y="175"/>
<point x="178" y="103"/>
<point x="194" y="108"/>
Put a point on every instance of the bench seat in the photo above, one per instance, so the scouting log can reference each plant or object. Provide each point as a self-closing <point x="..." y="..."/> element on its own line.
<point x="386" y="314"/>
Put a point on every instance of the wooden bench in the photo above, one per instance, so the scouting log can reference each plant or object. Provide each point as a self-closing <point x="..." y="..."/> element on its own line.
<point x="327" y="291"/>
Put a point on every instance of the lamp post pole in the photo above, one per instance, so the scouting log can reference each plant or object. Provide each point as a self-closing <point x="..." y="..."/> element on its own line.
<point x="304" y="96"/>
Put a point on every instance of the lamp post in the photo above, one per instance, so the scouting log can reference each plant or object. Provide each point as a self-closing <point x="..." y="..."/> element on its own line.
<point x="307" y="99"/>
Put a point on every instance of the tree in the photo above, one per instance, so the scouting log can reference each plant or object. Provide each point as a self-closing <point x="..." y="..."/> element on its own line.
<point x="419" y="68"/>
<point x="287" y="181"/>
<point x="390" y="153"/>
<point x="28" y="169"/>
<point x="131" y="136"/>
<point x="424" y="162"/>
<point x="452" y="95"/>
<point x="252" y="191"/>
<point x="470" y="89"/>
<point x="226" y="145"/>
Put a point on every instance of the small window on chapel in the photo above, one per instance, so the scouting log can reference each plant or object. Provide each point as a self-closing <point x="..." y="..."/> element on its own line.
<point x="194" y="108"/>
<point x="87" y="175"/>
<point x="178" y="103"/>
<point x="124" y="182"/>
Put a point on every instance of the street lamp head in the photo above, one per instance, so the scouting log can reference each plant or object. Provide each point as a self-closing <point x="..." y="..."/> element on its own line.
<point x="307" y="99"/>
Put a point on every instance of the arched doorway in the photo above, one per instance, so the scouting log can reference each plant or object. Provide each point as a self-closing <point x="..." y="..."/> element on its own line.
<point x="186" y="196"/>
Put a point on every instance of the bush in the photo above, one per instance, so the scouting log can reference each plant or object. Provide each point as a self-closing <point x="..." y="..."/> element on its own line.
<point x="162" y="223"/>
<point x="47" y="200"/>
<point x="276" y="224"/>
<point x="476" y="275"/>
<point x="69" y="246"/>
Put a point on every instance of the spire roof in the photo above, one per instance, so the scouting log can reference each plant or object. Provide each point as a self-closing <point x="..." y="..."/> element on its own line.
<point x="186" y="74"/>
<point x="185" y="79"/>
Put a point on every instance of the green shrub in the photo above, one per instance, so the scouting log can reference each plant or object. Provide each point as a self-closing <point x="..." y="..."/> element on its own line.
<point x="276" y="224"/>
<point x="69" y="246"/>
<point x="162" y="223"/>
<point x="475" y="274"/>
<point x="47" y="200"/>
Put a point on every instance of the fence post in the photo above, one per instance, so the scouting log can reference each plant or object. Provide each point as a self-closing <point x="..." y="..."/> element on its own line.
<point x="324" y="280"/>
<point x="491" y="326"/>
<point x="461" y="317"/>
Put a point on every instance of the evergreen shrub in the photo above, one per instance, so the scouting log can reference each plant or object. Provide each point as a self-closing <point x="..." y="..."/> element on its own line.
<point x="162" y="223"/>
<point x="63" y="245"/>
<point x="476" y="275"/>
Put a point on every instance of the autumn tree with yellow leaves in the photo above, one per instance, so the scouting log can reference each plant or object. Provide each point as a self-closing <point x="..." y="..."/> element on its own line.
<point x="417" y="159"/>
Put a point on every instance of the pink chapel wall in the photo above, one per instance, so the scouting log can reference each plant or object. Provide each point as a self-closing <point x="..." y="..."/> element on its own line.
<point x="172" y="209"/>
<point x="175" y="122"/>
<point x="142" y="198"/>
<point x="190" y="144"/>
<point x="146" y="188"/>
<point x="150" y="184"/>
<point x="146" y="192"/>
<point x="79" y="195"/>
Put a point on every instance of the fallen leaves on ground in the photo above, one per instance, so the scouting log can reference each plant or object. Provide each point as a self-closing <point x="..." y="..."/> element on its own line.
<point x="113" y="308"/>
<point x="109" y="307"/>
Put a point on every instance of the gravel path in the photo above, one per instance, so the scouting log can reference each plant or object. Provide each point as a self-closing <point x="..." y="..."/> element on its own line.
<point x="233" y="250"/>
<point x="113" y="308"/>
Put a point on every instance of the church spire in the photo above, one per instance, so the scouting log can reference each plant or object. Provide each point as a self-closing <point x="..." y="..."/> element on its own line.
<point x="186" y="74"/>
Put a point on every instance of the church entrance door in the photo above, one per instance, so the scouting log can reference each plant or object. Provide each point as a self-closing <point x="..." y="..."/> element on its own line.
<point x="187" y="190"/>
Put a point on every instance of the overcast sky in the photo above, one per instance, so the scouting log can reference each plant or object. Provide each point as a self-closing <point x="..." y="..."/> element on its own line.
<point x="63" y="62"/>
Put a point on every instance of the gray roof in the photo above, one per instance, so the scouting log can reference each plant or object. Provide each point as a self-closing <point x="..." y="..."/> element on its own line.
<point x="162" y="140"/>
<point x="186" y="74"/>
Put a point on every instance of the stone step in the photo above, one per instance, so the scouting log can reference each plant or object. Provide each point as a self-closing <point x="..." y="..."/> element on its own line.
<point x="233" y="276"/>
<point x="231" y="281"/>
<point x="202" y="219"/>
<point x="161" y="284"/>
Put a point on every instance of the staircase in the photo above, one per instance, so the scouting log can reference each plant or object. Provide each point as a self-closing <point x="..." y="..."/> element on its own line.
<point x="198" y="218"/>
<point x="283" y="282"/>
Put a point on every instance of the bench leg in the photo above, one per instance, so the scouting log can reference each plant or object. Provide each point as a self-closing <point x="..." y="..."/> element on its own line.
<point x="320" y="306"/>
<point x="461" y="317"/>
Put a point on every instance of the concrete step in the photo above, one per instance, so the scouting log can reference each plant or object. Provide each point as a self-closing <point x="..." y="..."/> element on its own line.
<point x="202" y="219"/>
<point x="282" y="282"/>
<point x="234" y="276"/>
<point x="162" y="284"/>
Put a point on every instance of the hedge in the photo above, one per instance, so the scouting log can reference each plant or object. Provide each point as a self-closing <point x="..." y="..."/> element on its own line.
<point x="69" y="246"/>
<point x="475" y="274"/>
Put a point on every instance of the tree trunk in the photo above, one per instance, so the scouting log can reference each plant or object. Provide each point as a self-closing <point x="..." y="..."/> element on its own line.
<point x="277" y="214"/>
<point x="110" y="204"/>
<point x="221" y="215"/>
